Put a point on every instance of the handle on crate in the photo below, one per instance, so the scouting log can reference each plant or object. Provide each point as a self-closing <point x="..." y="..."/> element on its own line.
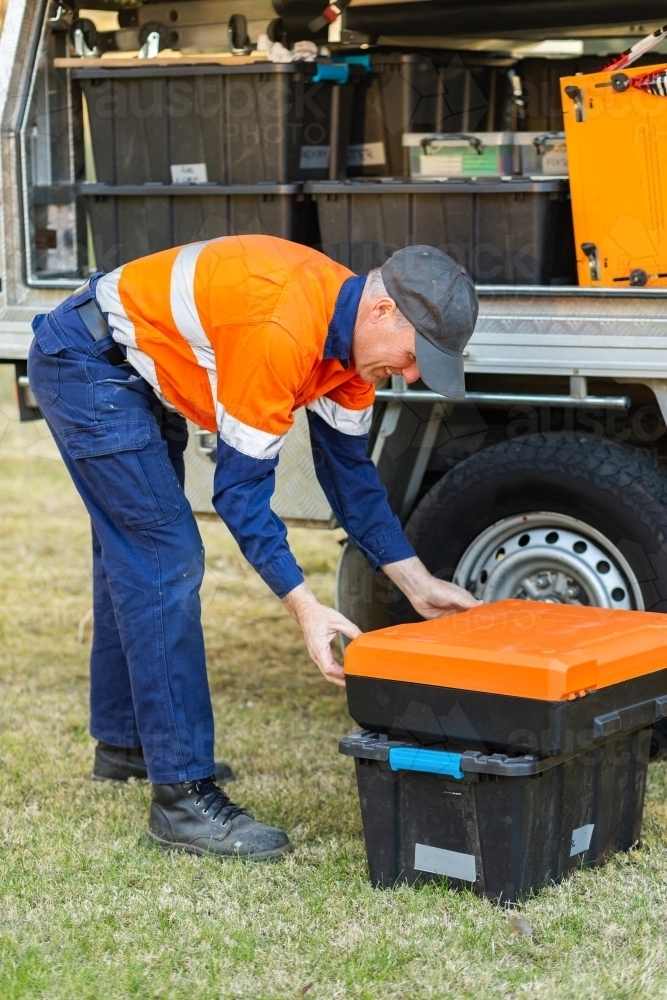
<point x="473" y="140"/>
<point x="336" y="72"/>
<point x="428" y="761"/>
<point x="540" y="140"/>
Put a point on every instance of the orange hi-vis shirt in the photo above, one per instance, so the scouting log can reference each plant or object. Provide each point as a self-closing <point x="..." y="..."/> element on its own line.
<point x="232" y="332"/>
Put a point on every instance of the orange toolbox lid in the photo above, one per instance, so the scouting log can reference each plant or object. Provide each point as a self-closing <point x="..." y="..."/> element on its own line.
<point x="524" y="649"/>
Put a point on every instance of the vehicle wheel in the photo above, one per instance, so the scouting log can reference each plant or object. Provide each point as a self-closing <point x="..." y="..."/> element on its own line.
<point x="549" y="517"/>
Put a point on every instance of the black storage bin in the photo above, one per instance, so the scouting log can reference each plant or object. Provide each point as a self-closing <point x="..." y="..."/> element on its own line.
<point x="131" y="221"/>
<point x="516" y="232"/>
<point x="499" y="825"/>
<point x="245" y="123"/>
<point x="425" y="92"/>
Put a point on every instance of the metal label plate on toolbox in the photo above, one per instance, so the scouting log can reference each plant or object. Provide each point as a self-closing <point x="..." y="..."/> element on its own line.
<point x="581" y="839"/>
<point x="439" y="861"/>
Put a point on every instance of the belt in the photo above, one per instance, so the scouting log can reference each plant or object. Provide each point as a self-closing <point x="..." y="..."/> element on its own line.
<point x="98" y="328"/>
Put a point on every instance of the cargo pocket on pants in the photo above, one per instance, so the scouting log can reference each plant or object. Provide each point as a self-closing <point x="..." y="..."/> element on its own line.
<point x="43" y="366"/>
<point x="126" y="467"/>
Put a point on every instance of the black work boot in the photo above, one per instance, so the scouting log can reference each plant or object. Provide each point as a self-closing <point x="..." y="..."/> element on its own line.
<point x="120" y="763"/>
<point x="198" y="818"/>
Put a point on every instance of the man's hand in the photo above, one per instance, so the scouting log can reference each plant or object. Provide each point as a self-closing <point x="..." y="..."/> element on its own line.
<point x="320" y="625"/>
<point x="431" y="597"/>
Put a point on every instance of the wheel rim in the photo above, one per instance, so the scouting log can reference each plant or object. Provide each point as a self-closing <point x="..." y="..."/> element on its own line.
<point x="548" y="557"/>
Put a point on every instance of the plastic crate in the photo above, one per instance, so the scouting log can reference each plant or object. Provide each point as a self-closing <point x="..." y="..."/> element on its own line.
<point x="238" y="124"/>
<point x="502" y="826"/>
<point x="516" y="232"/>
<point x="474" y="154"/>
<point x="131" y="221"/>
<point x="408" y="92"/>
<point x="541" y="153"/>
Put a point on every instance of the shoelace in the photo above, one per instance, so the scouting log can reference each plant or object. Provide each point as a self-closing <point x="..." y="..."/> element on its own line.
<point x="216" y="802"/>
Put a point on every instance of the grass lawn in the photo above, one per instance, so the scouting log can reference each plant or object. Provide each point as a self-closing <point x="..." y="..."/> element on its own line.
<point x="89" y="909"/>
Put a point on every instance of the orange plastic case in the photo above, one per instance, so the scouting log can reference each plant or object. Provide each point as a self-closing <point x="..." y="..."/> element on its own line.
<point x="520" y="648"/>
<point x="616" y="151"/>
<point x="516" y="674"/>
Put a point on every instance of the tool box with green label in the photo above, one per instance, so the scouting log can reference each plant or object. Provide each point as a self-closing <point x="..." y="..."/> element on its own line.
<point x="506" y="746"/>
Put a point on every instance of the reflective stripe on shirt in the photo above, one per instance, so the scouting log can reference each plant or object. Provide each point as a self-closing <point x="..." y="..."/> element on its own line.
<point x="184" y="307"/>
<point x="346" y="421"/>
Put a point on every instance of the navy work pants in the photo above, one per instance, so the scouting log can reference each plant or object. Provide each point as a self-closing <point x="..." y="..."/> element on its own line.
<point x="148" y="682"/>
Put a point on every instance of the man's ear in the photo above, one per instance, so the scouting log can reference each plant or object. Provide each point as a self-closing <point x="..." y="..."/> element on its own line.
<point x="383" y="307"/>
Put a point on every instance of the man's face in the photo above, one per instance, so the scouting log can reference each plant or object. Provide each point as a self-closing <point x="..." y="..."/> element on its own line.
<point x="378" y="349"/>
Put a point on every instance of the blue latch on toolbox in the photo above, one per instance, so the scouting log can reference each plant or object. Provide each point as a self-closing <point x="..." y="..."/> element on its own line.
<point x="336" y="72"/>
<point x="428" y="761"/>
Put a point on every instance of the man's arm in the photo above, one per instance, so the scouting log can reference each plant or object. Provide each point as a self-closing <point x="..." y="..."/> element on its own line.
<point x="352" y="486"/>
<point x="243" y="487"/>
<point x="254" y="404"/>
<point x="242" y="496"/>
<point x="359" y="501"/>
<point x="254" y="399"/>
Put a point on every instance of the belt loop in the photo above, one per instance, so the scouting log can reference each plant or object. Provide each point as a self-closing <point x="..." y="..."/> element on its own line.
<point x="80" y="291"/>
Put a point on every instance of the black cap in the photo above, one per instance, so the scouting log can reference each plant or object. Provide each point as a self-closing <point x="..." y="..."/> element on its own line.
<point x="438" y="297"/>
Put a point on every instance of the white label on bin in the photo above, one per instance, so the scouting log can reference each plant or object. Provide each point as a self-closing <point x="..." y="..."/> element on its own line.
<point x="189" y="173"/>
<point x="366" y="154"/>
<point x="581" y="839"/>
<point x="314" y="158"/>
<point x="441" y="166"/>
<point x="554" y="163"/>
<point x="442" y="862"/>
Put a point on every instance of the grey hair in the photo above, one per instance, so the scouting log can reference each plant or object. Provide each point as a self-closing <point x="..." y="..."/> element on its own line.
<point x="375" y="289"/>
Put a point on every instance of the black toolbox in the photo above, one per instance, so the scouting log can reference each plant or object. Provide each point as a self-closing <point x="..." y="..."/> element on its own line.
<point x="506" y="745"/>
<point x="130" y="221"/>
<point x="509" y="232"/>
<point x="238" y="124"/>
<point x="500" y="825"/>
<point x="412" y="92"/>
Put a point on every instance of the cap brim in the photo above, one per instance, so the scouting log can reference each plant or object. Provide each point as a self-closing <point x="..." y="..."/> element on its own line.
<point x="441" y="372"/>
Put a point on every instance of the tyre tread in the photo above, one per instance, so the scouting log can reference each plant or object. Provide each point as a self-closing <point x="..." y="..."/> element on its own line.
<point x="627" y="468"/>
<point x="625" y="474"/>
